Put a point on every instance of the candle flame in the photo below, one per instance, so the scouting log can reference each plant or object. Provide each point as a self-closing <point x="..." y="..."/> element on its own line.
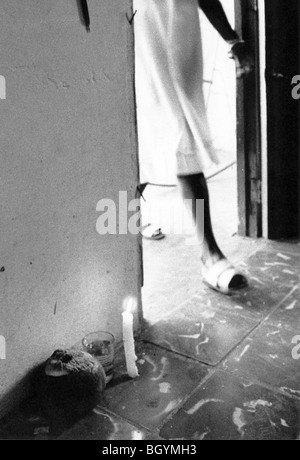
<point x="130" y="304"/>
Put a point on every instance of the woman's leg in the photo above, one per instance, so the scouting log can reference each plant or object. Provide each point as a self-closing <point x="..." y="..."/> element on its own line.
<point x="194" y="188"/>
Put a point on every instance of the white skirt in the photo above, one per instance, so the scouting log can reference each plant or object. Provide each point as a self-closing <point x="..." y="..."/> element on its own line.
<point x="174" y="135"/>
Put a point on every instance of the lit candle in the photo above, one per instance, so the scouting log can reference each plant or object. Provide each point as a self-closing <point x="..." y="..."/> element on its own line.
<point x="128" y="338"/>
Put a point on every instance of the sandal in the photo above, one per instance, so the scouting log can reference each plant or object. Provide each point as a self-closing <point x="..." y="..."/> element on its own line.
<point x="150" y="232"/>
<point x="224" y="278"/>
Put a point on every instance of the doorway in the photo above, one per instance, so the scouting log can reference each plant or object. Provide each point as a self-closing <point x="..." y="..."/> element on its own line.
<point x="172" y="268"/>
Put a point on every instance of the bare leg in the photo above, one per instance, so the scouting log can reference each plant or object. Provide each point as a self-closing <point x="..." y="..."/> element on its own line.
<point x="194" y="188"/>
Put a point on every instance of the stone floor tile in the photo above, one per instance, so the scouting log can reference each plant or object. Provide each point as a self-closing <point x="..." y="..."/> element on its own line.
<point x="200" y="330"/>
<point x="165" y="381"/>
<point x="266" y="356"/>
<point x="277" y="269"/>
<point x="228" y="408"/>
<point x="106" y="427"/>
<point x="288" y="312"/>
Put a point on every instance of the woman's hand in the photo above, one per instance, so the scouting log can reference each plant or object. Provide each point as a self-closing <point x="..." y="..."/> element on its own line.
<point x="244" y="60"/>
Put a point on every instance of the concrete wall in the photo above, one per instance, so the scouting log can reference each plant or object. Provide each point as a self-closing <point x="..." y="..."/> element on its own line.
<point x="67" y="140"/>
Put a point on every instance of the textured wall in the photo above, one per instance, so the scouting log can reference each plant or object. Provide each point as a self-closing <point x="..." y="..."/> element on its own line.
<point x="67" y="140"/>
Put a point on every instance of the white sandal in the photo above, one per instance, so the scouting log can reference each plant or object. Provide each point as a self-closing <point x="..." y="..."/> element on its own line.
<point x="151" y="232"/>
<point x="221" y="274"/>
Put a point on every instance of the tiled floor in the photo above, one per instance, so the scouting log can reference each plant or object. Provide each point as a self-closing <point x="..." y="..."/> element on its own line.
<point x="212" y="367"/>
<point x="229" y="408"/>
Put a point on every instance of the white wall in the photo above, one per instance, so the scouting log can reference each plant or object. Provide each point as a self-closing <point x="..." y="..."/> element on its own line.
<point x="67" y="140"/>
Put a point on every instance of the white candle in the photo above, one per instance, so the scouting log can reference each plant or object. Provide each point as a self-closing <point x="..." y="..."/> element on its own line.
<point x="128" y="337"/>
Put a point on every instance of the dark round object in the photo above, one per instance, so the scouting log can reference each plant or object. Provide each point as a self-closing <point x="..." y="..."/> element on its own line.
<point x="70" y="385"/>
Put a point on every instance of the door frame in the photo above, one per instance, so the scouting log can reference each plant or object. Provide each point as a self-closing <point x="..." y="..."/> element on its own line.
<point x="249" y="126"/>
<point x="268" y="143"/>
